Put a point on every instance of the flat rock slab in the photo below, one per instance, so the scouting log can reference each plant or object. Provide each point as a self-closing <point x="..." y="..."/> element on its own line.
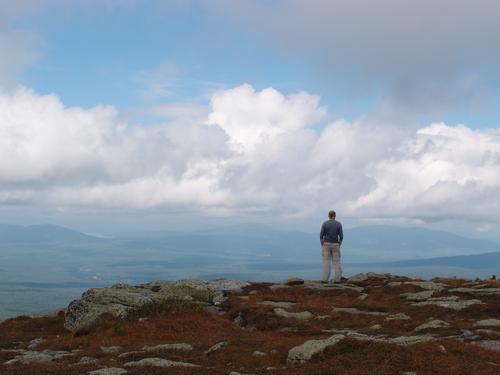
<point x="428" y="285"/>
<point x="158" y="362"/>
<point x="398" y="316"/>
<point x="176" y="346"/>
<point x="111" y="349"/>
<point x="489" y="344"/>
<point x="31" y="356"/>
<point x="87" y="361"/>
<point x="36" y="342"/>
<point x="282" y="304"/>
<point x="296" y="315"/>
<point x="478" y="291"/>
<point x="488" y="323"/>
<point x="432" y="324"/>
<point x="124" y="301"/>
<point x="307" y="350"/>
<point x="401" y="340"/>
<point x="451" y="302"/>
<point x="353" y="310"/>
<point x="484" y="331"/>
<point x="109" y="371"/>
<point x="220" y="345"/>
<point x="419" y="296"/>
<point x="330" y="286"/>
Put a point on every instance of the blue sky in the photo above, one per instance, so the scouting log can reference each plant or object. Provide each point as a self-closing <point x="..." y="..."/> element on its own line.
<point x="252" y="111"/>
<point x="92" y="55"/>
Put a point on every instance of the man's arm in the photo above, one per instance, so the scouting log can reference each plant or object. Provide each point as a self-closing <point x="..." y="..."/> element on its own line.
<point x="341" y="234"/>
<point x="322" y="234"/>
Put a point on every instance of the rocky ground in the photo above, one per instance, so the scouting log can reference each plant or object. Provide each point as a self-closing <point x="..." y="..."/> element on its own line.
<point x="370" y="324"/>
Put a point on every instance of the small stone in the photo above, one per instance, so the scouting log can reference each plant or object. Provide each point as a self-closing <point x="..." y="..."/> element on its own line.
<point x="111" y="349"/>
<point x="296" y="315"/>
<point x="218" y="346"/>
<point x="489" y="344"/>
<point x="419" y="296"/>
<point x="432" y="324"/>
<point x="30" y="356"/>
<point x="411" y="340"/>
<point x="322" y="317"/>
<point x="307" y="350"/>
<point x="258" y="353"/>
<point x="158" y="362"/>
<point x="240" y="320"/>
<point x="109" y="371"/>
<point x="467" y="333"/>
<point x="442" y="349"/>
<point x="34" y="343"/>
<point x="488" y="323"/>
<point x="398" y="316"/>
<point x="128" y="354"/>
<point x="353" y="310"/>
<point x="375" y="327"/>
<point x="488" y="332"/>
<point x="395" y="283"/>
<point x="179" y="346"/>
<point x="87" y="361"/>
<point x="363" y="296"/>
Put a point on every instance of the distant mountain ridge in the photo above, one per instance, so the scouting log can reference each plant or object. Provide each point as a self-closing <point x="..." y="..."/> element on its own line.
<point x="42" y="233"/>
<point x="487" y="260"/>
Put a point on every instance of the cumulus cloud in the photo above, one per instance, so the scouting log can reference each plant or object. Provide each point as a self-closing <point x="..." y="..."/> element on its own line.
<point x="256" y="152"/>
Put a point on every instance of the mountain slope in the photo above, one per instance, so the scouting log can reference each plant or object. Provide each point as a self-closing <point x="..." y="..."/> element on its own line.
<point x="44" y="233"/>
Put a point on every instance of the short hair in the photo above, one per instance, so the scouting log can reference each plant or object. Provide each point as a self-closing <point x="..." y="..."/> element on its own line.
<point x="331" y="214"/>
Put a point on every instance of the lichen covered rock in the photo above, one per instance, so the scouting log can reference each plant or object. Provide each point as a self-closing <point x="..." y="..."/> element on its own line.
<point x="128" y="302"/>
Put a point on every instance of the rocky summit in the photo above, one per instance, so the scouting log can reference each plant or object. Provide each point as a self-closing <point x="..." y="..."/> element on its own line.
<point x="369" y="324"/>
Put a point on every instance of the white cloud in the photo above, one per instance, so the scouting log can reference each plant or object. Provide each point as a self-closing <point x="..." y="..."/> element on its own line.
<point x="256" y="152"/>
<point x="251" y="118"/>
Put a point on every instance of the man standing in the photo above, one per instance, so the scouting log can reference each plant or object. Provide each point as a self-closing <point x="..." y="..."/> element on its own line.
<point x="331" y="237"/>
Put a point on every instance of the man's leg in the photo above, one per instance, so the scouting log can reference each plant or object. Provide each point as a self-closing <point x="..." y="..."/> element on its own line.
<point x="325" y="253"/>
<point x="336" y="262"/>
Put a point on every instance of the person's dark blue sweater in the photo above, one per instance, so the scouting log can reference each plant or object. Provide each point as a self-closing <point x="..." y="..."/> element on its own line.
<point x="331" y="232"/>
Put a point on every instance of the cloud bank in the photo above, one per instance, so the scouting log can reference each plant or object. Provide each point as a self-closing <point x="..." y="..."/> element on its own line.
<point x="257" y="152"/>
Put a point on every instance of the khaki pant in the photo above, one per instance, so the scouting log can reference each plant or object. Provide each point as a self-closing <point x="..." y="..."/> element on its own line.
<point x="331" y="252"/>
